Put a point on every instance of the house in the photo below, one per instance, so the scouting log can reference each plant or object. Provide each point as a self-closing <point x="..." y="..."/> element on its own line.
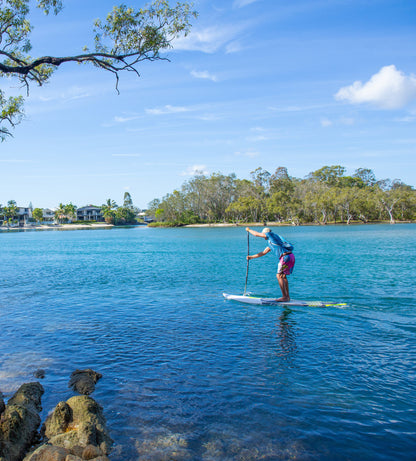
<point x="48" y="215"/>
<point x="23" y="215"/>
<point x="146" y="218"/>
<point x="90" y="213"/>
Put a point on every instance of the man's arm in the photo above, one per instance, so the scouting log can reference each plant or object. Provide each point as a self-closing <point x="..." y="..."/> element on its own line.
<point x="259" y="255"/>
<point x="255" y="233"/>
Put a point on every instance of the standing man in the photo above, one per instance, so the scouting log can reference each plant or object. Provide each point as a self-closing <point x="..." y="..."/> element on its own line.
<point x="283" y="251"/>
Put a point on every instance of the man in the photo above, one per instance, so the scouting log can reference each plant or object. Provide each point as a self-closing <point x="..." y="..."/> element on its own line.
<point x="283" y="251"/>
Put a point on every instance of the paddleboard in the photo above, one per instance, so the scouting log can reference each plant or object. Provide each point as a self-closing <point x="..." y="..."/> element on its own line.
<point x="250" y="299"/>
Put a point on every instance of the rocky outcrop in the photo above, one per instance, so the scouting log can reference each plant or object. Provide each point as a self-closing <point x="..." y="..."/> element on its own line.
<point x="74" y="431"/>
<point x="19" y="422"/>
<point x="84" y="381"/>
<point x="76" y="428"/>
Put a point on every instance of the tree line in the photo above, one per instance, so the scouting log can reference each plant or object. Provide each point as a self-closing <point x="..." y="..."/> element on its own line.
<point x="325" y="195"/>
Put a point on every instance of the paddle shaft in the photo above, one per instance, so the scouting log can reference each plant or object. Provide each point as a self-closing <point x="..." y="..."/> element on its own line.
<point x="248" y="252"/>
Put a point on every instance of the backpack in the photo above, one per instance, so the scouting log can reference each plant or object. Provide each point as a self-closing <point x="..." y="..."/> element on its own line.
<point x="280" y="241"/>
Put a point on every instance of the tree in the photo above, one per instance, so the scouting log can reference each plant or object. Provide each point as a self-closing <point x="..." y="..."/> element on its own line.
<point x="37" y="214"/>
<point x="128" y="201"/>
<point x="10" y="211"/>
<point x="124" y="215"/>
<point x="329" y="175"/>
<point x="109" y="211"/>
<point x="60" y="213"/>
<point x="70" y="211"/>
<point x="366" y="175"/>
<point x="127" y="38"/>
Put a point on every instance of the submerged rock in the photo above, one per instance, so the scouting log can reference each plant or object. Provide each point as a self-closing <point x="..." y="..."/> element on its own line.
<point x="39" y="374"/>
<point x="19" y="422"/>
<point x="83" y="381"/>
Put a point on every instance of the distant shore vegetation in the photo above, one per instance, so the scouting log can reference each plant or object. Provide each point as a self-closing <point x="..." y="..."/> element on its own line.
<point x="324" y="196"/>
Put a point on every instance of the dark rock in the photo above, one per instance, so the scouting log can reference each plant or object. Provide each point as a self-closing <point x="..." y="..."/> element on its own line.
<point x="39" y="374"/>
<point x="83" y="381"/>
<point x="19" y="422"/>
<point x="2" y="405"/>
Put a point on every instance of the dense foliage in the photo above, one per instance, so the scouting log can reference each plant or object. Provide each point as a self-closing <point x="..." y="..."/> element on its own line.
<point x="127" y="37"/>
<point x="118" y="215"/>
<point x="325" y="195"/>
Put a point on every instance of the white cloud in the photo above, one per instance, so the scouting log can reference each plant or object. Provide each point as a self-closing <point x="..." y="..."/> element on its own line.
<point x="257" y="138"/>
<point x="210" y="117"/>
<point x="250" y="154"/>
<point x="195" y="170"/>
<point x="233" y="47"/>
<point x="208" y="40"/>
<point x="204" y="74"/>
<point x="120" y="119"/>
<point x="241" y="3"/>
<point x="168" y="109"/>
<point x="388" y="89"/>
<point x="347" y="121"/>
<point x="325" y="122"/>
<point x="407" y="119"/>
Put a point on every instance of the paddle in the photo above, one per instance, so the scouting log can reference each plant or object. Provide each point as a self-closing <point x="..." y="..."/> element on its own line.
<point x="248" y="252"/>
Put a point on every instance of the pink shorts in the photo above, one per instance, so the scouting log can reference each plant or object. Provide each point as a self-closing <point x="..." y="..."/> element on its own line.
<point x="286" y="264"/>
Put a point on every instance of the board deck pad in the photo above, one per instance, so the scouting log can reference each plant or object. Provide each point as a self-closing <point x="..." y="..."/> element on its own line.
<point x="251" y="299"/>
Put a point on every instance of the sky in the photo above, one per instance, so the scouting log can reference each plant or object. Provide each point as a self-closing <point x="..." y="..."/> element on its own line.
<point x="257" y="83"/>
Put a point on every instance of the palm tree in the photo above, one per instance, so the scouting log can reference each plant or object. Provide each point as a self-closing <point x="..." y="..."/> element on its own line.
<point x="60" y="213"/>
<point x="70" y="211"/>
<point x="109" y="211"/>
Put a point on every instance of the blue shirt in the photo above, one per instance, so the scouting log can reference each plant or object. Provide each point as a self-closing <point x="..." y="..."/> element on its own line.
<point x="278" y="244"/>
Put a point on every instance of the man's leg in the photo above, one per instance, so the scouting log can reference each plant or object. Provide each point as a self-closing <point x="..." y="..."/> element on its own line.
<point x="284" y="287"/>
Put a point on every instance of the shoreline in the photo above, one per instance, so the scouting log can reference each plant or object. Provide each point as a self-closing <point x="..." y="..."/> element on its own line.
<point x="63" y="227"/>
<point x="46" y="227"/>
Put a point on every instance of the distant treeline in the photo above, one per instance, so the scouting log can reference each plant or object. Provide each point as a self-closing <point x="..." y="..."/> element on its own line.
<point x="325" y="195"/>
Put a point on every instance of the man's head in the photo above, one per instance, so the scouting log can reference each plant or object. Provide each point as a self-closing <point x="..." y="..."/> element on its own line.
<point x="266" y="230"/>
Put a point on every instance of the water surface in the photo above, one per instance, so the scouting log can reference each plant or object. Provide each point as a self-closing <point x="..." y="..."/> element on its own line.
<point x="188" y="375"/>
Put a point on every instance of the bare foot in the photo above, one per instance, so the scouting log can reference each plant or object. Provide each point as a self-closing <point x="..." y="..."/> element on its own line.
<point x="281" y="300"/>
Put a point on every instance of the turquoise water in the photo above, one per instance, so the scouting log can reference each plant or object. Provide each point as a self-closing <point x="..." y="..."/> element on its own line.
<point x="188" y="375"/>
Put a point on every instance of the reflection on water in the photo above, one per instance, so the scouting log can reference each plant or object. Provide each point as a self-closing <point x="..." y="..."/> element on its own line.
<point x="286" y="335"/>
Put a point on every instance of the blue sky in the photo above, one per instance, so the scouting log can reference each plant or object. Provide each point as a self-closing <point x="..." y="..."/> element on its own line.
<point x="300" y="84"/>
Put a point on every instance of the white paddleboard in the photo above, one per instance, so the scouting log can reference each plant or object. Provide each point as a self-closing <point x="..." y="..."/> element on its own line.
<point x="250" y="299"/>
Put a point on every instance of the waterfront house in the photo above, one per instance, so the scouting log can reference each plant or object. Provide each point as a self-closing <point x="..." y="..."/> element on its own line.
<point x="90" y="213"/>
<point x="23" y="215"/>
<point x="48" y="215"/>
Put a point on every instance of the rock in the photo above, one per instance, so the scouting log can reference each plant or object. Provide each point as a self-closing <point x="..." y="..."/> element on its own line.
<point x="86" y="425"/>
<point x="73" y="458"/>
<point x="48" y="453"/>
<point x="2" y="405"/>
<point x="19" y="422"/>
<point x="91" y="452"/>
<point x="39" y="374"/>
<point x="59" y="419"/>
<point x="83" y="381"/>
